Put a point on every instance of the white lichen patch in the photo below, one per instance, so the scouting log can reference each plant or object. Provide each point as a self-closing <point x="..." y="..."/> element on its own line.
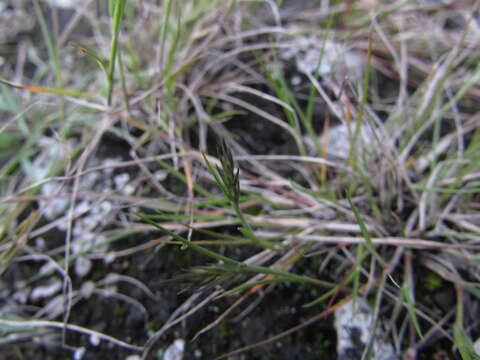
<point x="94" y="339"/>
<point x="327" y="58"/>
<point x="175" y="351"/>
<point x="58" y="204"/>
<point x="91" y="212"/>
<point x="354" y="332"/>
<point x="341" y="137"/>
<point x="121" y="182"/>
<point x="53" y="153"/>
<point x="160" y="175"/>
<point x="133" y="357"/>
<point x="47" y="290"/>
<point x="82" y="266"/>
<point x="65" y="4"/>
<point x="87" y="289"/>
<point x="86" y="242"/>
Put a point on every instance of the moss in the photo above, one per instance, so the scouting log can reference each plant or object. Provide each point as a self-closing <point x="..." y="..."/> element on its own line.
<point x="120" y="310"/>
<point x="433" y="282"/>
<point x="153" y="326"/>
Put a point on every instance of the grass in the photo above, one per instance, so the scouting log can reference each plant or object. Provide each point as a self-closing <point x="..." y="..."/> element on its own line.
<point x="175" y="163"/>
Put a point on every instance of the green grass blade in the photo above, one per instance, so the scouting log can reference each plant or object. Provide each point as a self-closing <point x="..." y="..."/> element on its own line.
<point x="167" y="9"/>
<point x="365" y="232"/>
<point x="411" y="309"/>
<point x="462" y="339"/>
<point x="117" y="19"/>
<point x="52" y="50"/>
<point x="249" y="268"/>
<point x="47" y="90"/>
<point x="102" y="63"/>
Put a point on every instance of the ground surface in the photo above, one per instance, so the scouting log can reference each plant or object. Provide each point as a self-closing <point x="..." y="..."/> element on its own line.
<point x="76" y="172"/>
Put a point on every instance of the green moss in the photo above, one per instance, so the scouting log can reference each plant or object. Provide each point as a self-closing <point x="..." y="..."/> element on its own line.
<point x="120" y="310"/>
<point x="433" y="282"/>
<point x="153" y="326"/>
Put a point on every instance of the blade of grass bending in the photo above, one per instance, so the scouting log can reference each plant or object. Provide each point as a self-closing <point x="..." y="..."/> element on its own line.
<point x="47" y="90"/>
<point x="117" y="19"/>
<point x="23" y="325"/>
<point x="177" y="237"/>
<point x="360" y="254"/>
<point x="321" y="298"/>
<point x="464" y="344"/>
<point x="253" y="268"/>
<point x="462" y="340"/>
<point x="356" y="275"/>
<point x="102" y="63"/>
<point x="365" y="233"/>
<point x="472" y="190"/>
<point x="411" y="309"/>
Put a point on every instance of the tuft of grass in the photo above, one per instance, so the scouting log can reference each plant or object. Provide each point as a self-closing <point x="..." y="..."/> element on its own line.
<point x="145" y="189"/>
<point x="227" y="178"/>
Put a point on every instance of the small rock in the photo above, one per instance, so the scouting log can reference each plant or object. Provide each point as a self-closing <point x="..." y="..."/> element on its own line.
<point x="46" y="291"/>
<point x="175" y="351"/>
<point x="133" y="357"/>
<point x="331" y="59"/>
<point x="353" y="328"/>
<point x="94" y="340"/>
<point x="57" y="206"/>
<point x="160" y="175"/>
<point x="339" y="139"/>
<point x="79" y="353"/>
<point x="89" y="180"/>
<point x="87" y="289"/>
<point x="121" y="180"/>
<point x="82" y="266"/>
<point x="109" y="258"/>
<point x="476" y="346"/>
<point x="65" y="4"/>
<point x="40" y="243"/>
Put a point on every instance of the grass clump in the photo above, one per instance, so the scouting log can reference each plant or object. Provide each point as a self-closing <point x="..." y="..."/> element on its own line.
<point x="292" y="160"/>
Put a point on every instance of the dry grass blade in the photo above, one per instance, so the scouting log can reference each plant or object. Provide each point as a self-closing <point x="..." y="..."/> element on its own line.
<point x="11" y="325"/>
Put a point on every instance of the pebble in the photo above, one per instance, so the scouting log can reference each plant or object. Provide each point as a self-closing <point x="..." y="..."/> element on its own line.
<point x="175" y="351"/>
<point x="353" y="326"/>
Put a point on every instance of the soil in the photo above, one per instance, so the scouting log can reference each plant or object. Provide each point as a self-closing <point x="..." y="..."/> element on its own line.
<point x="278" y="309"/>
